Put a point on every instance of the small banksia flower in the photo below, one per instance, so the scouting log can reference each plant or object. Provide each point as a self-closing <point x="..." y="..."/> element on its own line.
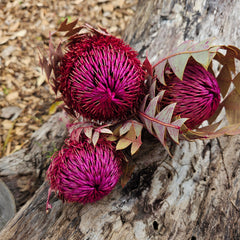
<point x="100" y="76"/>
<point x="82" y="173"/>
<point x="197" y="95"/>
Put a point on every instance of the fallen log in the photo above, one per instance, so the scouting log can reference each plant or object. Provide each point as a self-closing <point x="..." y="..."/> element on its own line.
<point x="193" y="195"/>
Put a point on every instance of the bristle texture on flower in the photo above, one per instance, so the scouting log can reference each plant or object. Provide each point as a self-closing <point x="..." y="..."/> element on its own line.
<point x="100" y="77"/>
<point x="197" y="95"/>
<point x="82" y="173"/>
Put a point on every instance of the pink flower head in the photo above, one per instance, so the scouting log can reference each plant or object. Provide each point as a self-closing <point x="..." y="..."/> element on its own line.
<point x="100" y="76"/>
<point x="82" y="173"/>
<point x="197" y="95"/>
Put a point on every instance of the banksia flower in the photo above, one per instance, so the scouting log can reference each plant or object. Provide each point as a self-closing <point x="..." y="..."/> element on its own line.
<point x="82" y="173"/>
<point x="100" y="76"/>
<point x="197" y="95"/>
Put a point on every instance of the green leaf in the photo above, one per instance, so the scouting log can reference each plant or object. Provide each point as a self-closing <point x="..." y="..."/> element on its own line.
<point x="202" y="58"/>
<point x="178" y="64"/>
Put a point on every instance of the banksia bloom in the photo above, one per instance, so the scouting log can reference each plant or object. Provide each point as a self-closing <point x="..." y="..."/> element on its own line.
<point x="197" y="95"/>
<point x="100" y="76"/>
<point x="82" y="173"/>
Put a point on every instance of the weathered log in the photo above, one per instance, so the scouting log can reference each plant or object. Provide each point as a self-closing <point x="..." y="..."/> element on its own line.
<point x="24" y="171"/>
<point x="195" y="194"/>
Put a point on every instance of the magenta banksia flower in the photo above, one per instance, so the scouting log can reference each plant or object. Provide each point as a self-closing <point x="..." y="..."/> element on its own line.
<point x="100" y="76"/>
<point x="197" y="95"/>
<point x="82" y="173"/>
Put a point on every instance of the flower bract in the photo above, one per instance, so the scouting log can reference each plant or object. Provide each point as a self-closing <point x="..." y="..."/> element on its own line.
<point x="82" y="173"/>
<point x="100" y="77"/>
<point x="197" y="95"/>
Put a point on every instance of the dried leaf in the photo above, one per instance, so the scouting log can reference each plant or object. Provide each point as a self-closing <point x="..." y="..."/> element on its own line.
<point x="128" y="168"/>
<point x="123" y="143"/>
<point x="53" y="108"/>
<point x="132" y="131"/>
<point x="224" y="80"/>
<point x="232" y="107"/>
<point x="236" y="82"/>
<point x="136" y="145"/>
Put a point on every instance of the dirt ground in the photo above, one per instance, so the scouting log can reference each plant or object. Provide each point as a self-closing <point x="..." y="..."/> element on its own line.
<point x="25" y="96"/>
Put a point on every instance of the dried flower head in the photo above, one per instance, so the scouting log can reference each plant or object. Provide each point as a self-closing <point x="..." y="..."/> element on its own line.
<point x="82" y="173"/>
<point x="100" y="76"/>
<point x="197" y="95"/>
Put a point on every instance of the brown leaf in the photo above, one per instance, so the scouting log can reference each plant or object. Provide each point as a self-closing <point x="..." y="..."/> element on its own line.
<point x="232" y="107"/>
<point x="224" y="80"/>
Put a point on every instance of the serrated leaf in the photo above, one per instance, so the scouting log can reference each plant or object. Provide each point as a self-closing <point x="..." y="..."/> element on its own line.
<point x="152" y="89"/>
<point x="95" y="138"/>
<point x="173" y="132"/>
<point x="178" y="64"/>
<point x="224" y="80"/>
<point x="159" y="70"/>
<point x="165" y="116"/>
<point x="232" y="107"/>
<point x="202" y="58"/>
<point x="45" y="66"/>
<point x="203" y="45"/>
<point x="150" y="111"/>
<point x="142" y="107"/>
<point x="64" y="27"/>
<point x="148" y="67"/>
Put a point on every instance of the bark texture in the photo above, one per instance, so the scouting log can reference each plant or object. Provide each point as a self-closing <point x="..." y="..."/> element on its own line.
<point x="194" y="195"/>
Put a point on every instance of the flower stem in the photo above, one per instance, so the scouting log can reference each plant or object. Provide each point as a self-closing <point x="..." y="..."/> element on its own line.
<point x="179" y="53"/>
<point x="158" y="121"/>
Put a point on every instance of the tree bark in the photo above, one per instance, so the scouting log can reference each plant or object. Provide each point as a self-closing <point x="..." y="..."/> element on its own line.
<point x="193" y="195"/>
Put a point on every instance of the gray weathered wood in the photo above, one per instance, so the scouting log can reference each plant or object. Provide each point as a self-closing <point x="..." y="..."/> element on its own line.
<point x="194" y="195"/>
